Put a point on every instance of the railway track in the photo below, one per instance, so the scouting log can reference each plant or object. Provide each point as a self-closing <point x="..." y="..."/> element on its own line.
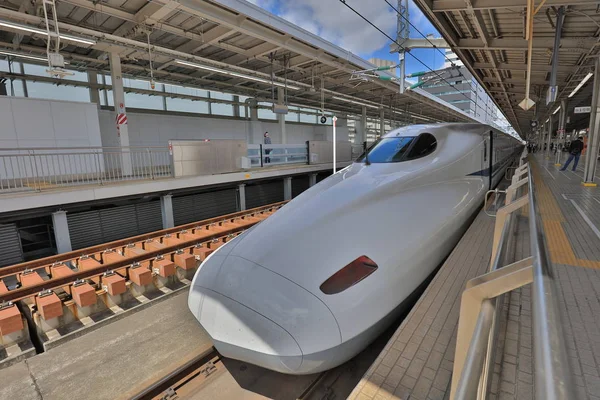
<point x="166" y="244"/>
<point x="177" y="382"/>
<point x="40" y="299"/>
<point x="185" y="381"/>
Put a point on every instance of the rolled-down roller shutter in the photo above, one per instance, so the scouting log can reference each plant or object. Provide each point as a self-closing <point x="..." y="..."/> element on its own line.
<point x="10" y="245"/>
<point x="90" y="228"/>
<point x="299" y="184"/>
<point x="264" y="193"/>
<point x="197" y="207"/>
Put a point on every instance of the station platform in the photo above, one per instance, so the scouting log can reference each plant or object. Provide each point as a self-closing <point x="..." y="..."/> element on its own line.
<point x="417" y="362"/>
<point x="111" y="362"/>
<point x="51" y="196"/>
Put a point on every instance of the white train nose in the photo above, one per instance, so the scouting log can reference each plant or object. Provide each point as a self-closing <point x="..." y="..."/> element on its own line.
<point x="255" y="315"/>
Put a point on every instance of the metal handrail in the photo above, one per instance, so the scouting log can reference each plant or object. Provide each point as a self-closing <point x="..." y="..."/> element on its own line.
<point x="552" y="379"/>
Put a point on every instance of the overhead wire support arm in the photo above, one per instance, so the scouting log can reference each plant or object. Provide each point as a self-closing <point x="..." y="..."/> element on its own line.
<point x="345" y="2"/>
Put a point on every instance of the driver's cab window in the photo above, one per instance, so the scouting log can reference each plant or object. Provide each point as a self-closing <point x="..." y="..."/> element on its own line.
<point x="424" y="145"/>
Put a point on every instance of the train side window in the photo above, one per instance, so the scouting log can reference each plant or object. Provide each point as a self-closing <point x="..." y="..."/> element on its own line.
<point x="425" y="145"/>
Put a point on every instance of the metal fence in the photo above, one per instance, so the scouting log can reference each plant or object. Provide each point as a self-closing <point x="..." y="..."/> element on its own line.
<point x="482" y="299"/>
<point x="43" y="168"/>
<point x="262" y="155"/>
<point x="36" y="169"/>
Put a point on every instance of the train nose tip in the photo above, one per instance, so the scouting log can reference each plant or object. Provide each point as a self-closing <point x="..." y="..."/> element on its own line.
<point x="243" y="334"/>
<point x="257" y="316"/>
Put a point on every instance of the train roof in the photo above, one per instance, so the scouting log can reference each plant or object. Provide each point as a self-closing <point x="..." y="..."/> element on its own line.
<point x="442" y="128"/>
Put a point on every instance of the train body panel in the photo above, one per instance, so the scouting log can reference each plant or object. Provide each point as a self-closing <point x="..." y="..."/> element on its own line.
<point x="405" y="216"/>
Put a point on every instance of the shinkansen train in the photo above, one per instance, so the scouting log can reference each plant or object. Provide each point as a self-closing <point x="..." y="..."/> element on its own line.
<point x="311" y="286"/>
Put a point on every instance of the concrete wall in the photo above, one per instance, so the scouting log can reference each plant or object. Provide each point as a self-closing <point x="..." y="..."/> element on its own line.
<point x="147" y="129"/>
<point x="30" y="122"/>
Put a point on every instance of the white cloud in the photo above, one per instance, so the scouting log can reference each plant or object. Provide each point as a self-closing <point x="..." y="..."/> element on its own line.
<point x="333" y="21"/>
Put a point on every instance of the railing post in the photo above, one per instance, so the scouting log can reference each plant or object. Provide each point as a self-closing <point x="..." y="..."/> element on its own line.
<point x="260" y="148"/>
<point x="35" y="171"/>
<point x="151" y="164"/>
<point x="99" y="166"/>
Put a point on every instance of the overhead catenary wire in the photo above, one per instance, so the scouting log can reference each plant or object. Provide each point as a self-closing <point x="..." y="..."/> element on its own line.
<point x="402" y="47"/>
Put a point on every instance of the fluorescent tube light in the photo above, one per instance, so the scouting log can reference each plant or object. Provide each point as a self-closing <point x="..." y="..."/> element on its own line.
<point x="14" y="54"/>
<point x="583" y="81"/>
<point x="354" y="102"/>
<point x="26" y="56"/>
<point x="236" y="74"/>
<point x="555" y="111"/>
<point x="31" y="29"/>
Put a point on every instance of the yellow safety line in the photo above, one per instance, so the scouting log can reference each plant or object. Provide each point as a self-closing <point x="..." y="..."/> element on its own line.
<point x="558" y="243"/>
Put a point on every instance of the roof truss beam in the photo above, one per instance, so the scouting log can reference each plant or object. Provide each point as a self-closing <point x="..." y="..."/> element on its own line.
<point x="458" y="5"/>
<point x="570" y="44"/>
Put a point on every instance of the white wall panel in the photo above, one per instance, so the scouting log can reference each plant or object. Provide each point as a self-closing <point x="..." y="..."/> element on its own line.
<point x="158" y="129"/>
<point x="8" y="131"/>
<point x="33" y="119"/>
<point x="48" y="123"/>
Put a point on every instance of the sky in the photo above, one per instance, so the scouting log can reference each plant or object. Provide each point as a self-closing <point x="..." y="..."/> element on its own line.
<point x="333" y="21"/>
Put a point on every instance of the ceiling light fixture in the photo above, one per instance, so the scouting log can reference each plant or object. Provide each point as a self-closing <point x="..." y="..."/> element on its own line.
<point x="555" y="111"/>
<point x="31" y="29"/>
<point x="235" y="74"/>
<point x="354" y="102"/>
<point x="583" y="81"/>
<point x="26" y="56"/>
<point x="14" y="54"/>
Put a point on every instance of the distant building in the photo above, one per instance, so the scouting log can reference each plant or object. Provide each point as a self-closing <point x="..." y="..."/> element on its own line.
<point x="378" y="62"/>
<point x="452" y="58"/>
<point x="456" y="85"/>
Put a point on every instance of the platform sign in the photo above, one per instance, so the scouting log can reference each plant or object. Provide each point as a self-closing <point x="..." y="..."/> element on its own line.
<point x="583" y="110"/>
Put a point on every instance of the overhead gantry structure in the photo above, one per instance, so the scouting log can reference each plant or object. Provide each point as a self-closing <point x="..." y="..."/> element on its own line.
<point x="226" y="45"/>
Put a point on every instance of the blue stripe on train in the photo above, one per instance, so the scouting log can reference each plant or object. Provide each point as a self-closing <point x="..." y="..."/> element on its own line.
<point x="499" y="166"/>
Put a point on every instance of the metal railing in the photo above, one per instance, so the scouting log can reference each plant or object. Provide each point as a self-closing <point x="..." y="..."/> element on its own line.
<point x="42" y="168"/>
<point x="482" y="298"/>
<point x="36" y="169"/>
<point x="261" y="155"/>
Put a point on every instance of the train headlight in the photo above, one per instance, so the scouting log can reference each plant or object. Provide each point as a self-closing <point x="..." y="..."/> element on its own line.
<point x="349" y="276"/>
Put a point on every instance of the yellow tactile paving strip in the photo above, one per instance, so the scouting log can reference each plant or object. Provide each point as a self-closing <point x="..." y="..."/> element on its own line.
<point x="557" y="241"/>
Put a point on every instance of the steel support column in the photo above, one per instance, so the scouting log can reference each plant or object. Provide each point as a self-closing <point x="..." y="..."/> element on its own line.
<point x="166" y="211"/>
<point x="242" y="196"/>
<point x="281" y="117"/>
<point x="312" y="180"/>
<point x="254" y="126"/>
<point x="61" y="232"/>
<point x="381" y="123"/>
<point x="591" y="158"/>
<point x="119" y="102"/>
<point x="361" y="130"/>
<point x="287" y="188"/>
<point x="562" y="122"/>
<point x="94" y="93"/>
<point x="549" y="139"/>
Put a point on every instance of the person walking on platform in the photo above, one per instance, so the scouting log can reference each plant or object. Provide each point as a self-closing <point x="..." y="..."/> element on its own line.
<point x="267" y="151"/>
<point x="575" y="152"/>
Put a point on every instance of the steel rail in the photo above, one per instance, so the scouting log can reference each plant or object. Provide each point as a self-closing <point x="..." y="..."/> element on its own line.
<point x="176" y="375"/>
<point x="15" y="269"/>
<point x="552" y="377"/>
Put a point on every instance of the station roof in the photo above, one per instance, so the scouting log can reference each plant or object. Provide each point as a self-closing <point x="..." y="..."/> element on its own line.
<point x="225" y="45"/>
<point x="489" y="37"/>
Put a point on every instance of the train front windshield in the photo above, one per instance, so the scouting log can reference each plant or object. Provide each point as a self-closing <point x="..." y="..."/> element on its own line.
<point x="387" y="150"/>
